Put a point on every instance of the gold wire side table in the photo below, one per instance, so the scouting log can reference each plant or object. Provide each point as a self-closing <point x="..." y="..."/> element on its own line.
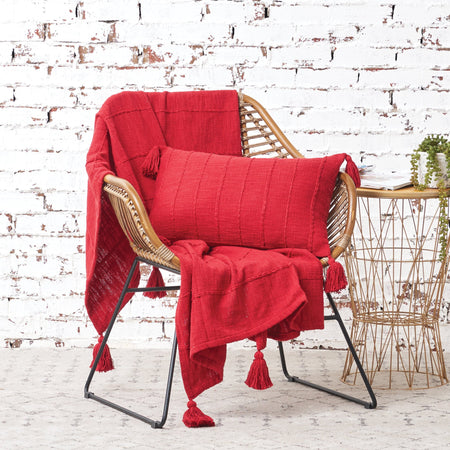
<point x="396" y="285"/>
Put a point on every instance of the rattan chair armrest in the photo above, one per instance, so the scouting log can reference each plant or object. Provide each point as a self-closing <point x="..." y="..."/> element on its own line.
<point x="343" y="231"/>
<point x="134" y="220"/>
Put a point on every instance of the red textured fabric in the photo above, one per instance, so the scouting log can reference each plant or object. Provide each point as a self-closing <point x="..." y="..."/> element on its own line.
<point x="127" y="126"/>
<point x="232" y="293"/>
<point x="258" y="203"/>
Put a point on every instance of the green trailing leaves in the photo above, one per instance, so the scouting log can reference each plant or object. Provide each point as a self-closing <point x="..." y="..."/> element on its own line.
<point x="431" y="146"/>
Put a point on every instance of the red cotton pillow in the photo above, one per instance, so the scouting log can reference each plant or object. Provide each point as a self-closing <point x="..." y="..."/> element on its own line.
<point x="251" y="202"/>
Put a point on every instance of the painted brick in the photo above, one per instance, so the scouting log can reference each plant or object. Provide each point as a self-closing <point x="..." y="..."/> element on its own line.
<point x="425" y="57"/>
<point x="29" y="160"/>
<point x="357" y="56"/>
<point x="20" y="140"/>
<point x="325" y="32"/>
<point x="396" y="79"/>
<point x="326" y="78"/>
<point x="436" y="123"/>
<point x="21" y="75"/>
<point x="436" y="37"/>
<point x="215" y="12"/>
<point x="93" y="98"/>
<point x="54" y="246"/>
<point x="106" y="55"/>
<point x="64" y="117"/>
<point x="41" y="53"/>
<point x="422" y="13"/>
<point x="51" y="268"/>
<point x="81" y="31"/>
<point x="303" y="55"/>
<point x="51" y="224"/>
<point x="392" y="35"/>
<point x="213" y="77"/>
<point x="65" y="201"/>
<point x="6" y="95"/>
<point x="422" y="99"/>
<point x="109" y="77"/>
<point x="343" y="99"/>
<point x="189" y="33"/>
<point x="108" y="10"/>
<point x="23" y="116"/>
<point x="50" y="181"/>
<point x="44" y="96"/>
<point x="367" y="78"/>
<point x="7" y="225"/>
<point x="263" y="76"/>
<point x="245" y="55"/>
<point x="62" y="286"/>
<point x="331" y="120"/>
<point x="8" y="292"/>
<point x="334" y="14"/>
<point x="16" y="11"/>
<point x="22" y="203"/>
<point x="263" y="34"/>
<point x="171" y="12"/>
<point x="23" y="31"/>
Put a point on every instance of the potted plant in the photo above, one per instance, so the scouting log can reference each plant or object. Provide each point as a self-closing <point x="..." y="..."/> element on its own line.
<point x="430" y="168"/>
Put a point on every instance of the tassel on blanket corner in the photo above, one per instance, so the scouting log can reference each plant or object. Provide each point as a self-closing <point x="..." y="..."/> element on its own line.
<point x="258" y="375"/>
<point x="155" y="280"/>
<point x="336" y="279"/>
<point x="105" y="364"/>
<point x="195" y="418"/>
<point x="150" y="166"/>
<point x="353" y="171"/>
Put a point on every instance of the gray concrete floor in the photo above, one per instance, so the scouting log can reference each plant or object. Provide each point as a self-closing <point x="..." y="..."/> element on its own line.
<point x="42" y="406"/>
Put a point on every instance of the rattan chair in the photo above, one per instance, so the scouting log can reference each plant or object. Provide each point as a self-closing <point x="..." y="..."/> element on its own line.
<point x="260" y="137"/>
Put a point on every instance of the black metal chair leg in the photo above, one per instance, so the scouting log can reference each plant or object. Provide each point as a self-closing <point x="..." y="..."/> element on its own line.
<point x="336" y="316"/>
<point x="88" y="394"/>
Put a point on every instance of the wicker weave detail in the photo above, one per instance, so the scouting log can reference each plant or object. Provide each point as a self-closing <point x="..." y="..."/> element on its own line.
<point x="151" y="256"/>
<point x="345" y="240"/>
<point x="131" y="224"/>
<point x="164" y="253"/>
<point x="257" y="138"/>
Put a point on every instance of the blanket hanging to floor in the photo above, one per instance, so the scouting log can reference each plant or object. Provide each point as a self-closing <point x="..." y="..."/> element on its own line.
<point x="232" y="293"/>
<point x="227" y="293"/>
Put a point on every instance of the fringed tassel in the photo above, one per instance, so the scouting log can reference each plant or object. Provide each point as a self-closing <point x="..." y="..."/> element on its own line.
<point x="155" y="280"/>
<point x="258" y="375"/>
<point x="105" y="363"/>
<point x="353" y="171"/>
<point x="336" y="279"/>
<point x="150" y="166"/>
<point x="195" y="418"/>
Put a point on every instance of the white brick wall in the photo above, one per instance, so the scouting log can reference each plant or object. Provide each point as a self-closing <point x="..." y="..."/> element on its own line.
<point x="367" y="77"/>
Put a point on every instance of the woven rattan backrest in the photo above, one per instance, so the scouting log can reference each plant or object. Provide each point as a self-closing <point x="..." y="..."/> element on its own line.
<point x="261" y="137"/>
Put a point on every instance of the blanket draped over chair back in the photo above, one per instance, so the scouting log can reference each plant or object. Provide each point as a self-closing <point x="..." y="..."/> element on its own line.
<point x="127" y="126"/>
<point x="227" y="293"/>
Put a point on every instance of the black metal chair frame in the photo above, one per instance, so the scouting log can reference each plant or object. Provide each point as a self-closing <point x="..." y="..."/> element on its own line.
<point x="160" y="423"/>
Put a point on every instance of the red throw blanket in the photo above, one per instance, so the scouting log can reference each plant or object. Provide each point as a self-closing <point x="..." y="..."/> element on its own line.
<point x="232" y="293"/>
<point x="227" y="293"/>
<point x="127" y="126"/>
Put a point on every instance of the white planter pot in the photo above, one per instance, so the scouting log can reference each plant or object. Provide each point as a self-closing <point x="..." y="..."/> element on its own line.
<point x="422" y="170"/>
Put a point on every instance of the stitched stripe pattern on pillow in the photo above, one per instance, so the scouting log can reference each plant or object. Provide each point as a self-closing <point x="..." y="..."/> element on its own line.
<point x="259" y="203"/>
